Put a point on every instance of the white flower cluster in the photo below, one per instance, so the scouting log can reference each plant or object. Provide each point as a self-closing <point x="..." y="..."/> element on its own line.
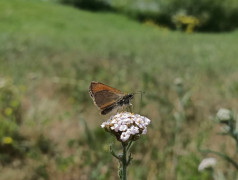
<point x="126" y="125"/>
<point x="224" y="114"/>
<point x="207" y="163"/>
<point x="178" y="81"/>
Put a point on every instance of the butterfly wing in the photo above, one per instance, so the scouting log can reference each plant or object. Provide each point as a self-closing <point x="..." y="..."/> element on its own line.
<point x="104" y="96"/>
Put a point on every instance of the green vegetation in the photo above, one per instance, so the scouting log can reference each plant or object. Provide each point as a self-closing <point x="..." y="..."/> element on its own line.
<point x="210" y="15"/>
<point x="50" y="53"/>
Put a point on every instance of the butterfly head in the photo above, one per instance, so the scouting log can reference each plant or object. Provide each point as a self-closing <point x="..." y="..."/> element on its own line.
<point x="130" y="96"/>
<point x="126" y="99"/>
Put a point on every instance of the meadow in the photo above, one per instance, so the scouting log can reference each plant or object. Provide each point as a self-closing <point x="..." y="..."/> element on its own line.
<point x="50" y="128"/>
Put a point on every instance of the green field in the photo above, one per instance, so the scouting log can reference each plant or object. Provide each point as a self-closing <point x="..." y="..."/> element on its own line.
<point x="49" y="54"/>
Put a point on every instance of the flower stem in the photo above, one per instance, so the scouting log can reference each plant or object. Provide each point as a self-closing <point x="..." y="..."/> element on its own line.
<point x="224" y="156"/>
<point x="129" y="145"/>
<point x="124" y="161"/>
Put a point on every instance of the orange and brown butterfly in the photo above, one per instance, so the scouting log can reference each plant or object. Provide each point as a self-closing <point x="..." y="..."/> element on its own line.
<point x="107" y="98"/>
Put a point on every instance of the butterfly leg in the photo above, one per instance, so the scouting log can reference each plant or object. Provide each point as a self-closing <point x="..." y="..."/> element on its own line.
<point x="130" y="108"/>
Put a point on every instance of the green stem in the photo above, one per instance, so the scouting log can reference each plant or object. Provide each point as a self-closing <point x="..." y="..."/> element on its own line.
<point x="113" y="153"/>
<point x="224" y="156"/>
<point x="124" y="161"/>
<point x="129" y="145"/>
<point x="236" y="146"/>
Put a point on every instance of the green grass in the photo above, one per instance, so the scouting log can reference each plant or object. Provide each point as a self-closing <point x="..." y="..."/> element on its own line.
<point x="34" y="37"/>
<point x="54" y="51"/>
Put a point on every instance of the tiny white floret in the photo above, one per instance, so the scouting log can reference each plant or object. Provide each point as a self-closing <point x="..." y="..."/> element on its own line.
<point x="144" y="131"/>
<point x="123" y="128"/>
<point x="124" y="136"/>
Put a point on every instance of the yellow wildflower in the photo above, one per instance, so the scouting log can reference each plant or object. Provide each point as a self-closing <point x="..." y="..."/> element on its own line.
<point x="8" y="111"/>
<point x="7" y="140"/>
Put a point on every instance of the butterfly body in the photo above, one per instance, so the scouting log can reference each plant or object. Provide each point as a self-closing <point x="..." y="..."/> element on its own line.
<point x="107" y="98"/>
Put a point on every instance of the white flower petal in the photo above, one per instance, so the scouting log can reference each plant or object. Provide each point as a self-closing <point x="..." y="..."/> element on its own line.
<point x="123" y="128"/>
<point x="144" y="131"/>
<point x="124" y="136"/>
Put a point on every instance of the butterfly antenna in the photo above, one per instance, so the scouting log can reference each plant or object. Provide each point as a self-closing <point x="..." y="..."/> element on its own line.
<point x="140" y="92"/>
<point x="141" y="102"/>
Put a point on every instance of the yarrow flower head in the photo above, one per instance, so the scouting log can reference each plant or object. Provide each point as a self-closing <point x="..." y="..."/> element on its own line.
<point x="207" y="163"/>
<point x="126" y="126"/>
<point x="224" y="114"/>
<point x="178" y="81"/>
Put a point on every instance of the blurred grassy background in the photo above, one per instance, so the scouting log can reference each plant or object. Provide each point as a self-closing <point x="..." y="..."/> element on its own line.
<point x="50" y="129"/>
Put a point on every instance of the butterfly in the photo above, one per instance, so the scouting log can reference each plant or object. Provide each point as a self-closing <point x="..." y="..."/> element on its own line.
<point x="107" y="98"/>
